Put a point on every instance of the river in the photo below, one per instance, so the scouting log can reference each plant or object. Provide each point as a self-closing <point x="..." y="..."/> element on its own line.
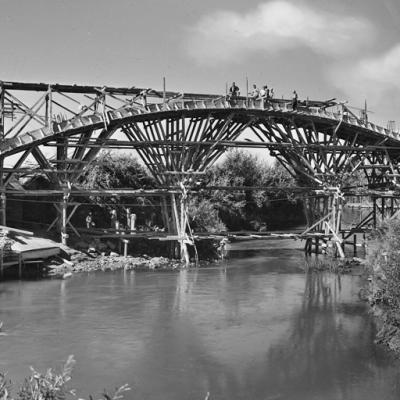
<point x="255" y="327"/>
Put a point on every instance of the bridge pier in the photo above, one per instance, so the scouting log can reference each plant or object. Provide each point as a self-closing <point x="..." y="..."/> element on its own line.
<point x="324" y="215"/>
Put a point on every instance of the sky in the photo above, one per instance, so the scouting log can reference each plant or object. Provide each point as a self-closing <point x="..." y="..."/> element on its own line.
<point x="344" y="49"/>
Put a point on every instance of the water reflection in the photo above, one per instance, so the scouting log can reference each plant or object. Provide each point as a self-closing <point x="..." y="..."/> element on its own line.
<point x="258" y="327"/>
<point x="327" y="352"/>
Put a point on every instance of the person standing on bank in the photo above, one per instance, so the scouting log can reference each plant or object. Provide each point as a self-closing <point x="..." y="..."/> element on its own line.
<point x="89" y="221"/>
<point x="294" y="100"/>
<point x="114" y="219"/>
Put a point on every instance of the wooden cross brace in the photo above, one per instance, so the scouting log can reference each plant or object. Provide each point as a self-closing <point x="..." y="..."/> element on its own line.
<point x="58" y="208"/>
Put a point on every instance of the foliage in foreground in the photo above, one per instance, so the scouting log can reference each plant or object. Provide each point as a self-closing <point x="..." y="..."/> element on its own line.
<point x="384" y="258"/>
<point x="50" y="385"/>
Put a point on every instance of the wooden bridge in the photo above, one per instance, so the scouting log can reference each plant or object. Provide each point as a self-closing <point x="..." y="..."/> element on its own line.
<point x="179" y="136"/>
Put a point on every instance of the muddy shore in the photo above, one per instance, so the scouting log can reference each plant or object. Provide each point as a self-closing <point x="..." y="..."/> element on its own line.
<point x="77" y="262"/>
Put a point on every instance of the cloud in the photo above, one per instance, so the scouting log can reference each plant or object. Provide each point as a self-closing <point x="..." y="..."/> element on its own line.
<point x="371" y="77"/>
<point x="274" y="26"/>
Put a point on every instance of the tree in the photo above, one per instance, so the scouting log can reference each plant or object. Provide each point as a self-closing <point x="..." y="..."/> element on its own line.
<point x="250" y="209"/>
<point x="118" y="171"/>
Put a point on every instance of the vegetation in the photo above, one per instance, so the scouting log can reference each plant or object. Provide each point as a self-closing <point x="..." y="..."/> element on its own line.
<point x="120" y="171"/>
<point x="253" y="209"/>
<point x="216" y="210"/>
<point x="384" y="258"/>
<point x="50" y="385"/>
<point x="384" y="286"/>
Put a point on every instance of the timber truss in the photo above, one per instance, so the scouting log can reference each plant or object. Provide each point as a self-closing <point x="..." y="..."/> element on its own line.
<point x="59" y="130"/>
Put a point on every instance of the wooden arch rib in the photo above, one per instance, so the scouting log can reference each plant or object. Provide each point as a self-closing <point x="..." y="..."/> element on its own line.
<point x="319" y="149"/>
<point x="183" y="151"/>
<point x="321" y="154"/>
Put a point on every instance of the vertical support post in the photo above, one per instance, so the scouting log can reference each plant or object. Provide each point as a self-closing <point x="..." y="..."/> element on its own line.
<point x="49" y="109"/>
<point x="20" y="266"/>
<point x="2" y="110"/>
<point x="64" y="217"/>
<point x="184" y="249"/>
<point x="343" y="242"/>
<point x="391" y="206"/>
<point x="126" y="242"/>
<point x="165" y="216"/>
<point x="3" y="199"/>
<point x="247" y="91"/>
<point x="2" y="138"/>
<point x="175" y="219"/>
<point x="374" y="211"/>
<point x="180" y="226"/>
<point x="334" y="223"/>
<point x="164" y="97"/>
<point x="1" y="262"/>
<point x="355" y="245"/>
<point x="365" y="242"/>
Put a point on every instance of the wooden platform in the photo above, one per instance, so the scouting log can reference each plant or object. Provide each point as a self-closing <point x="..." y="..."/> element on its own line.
<point x="33" y="248"/>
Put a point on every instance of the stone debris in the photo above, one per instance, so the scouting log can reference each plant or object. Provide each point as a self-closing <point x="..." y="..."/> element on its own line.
<point x="81" y="262"/>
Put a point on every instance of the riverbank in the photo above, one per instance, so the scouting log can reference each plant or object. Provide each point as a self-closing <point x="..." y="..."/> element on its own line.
<point x="382" y="290"/>
<point x="80" y="262"/>
<point x="386" y="315"/>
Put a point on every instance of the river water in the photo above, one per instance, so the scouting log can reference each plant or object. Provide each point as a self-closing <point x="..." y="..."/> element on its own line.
<point x="255" y="327"/>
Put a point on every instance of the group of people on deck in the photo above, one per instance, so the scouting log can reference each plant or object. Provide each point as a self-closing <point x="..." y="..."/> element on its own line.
<point x="261" y="94"/>
<point x="264" y="94"/>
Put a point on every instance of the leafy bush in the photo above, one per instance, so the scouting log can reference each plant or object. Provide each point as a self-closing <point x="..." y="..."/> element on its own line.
<point x="50" y="386"/>
<point x="384" y="258"/>
<point x="250" y="209"/>
<point x="204" y="216"/>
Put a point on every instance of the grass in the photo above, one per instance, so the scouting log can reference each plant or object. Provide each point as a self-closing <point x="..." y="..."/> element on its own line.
<point x="50" y="385"/>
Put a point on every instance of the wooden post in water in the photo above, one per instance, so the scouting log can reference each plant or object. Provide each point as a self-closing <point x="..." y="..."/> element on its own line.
<point x="184" y="248"/>
<point x="355" y="245"/>
<point x="20" y="266"/>
<point x="64" y="217"/>
<point x="126" y="242"/>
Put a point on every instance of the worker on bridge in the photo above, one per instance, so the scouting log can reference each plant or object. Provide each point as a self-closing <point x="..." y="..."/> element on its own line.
<point x="295" y="98"/>
<point x="255" y="92"/>
<point x="264" y="95"/>
<point x="233" y="94"/>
